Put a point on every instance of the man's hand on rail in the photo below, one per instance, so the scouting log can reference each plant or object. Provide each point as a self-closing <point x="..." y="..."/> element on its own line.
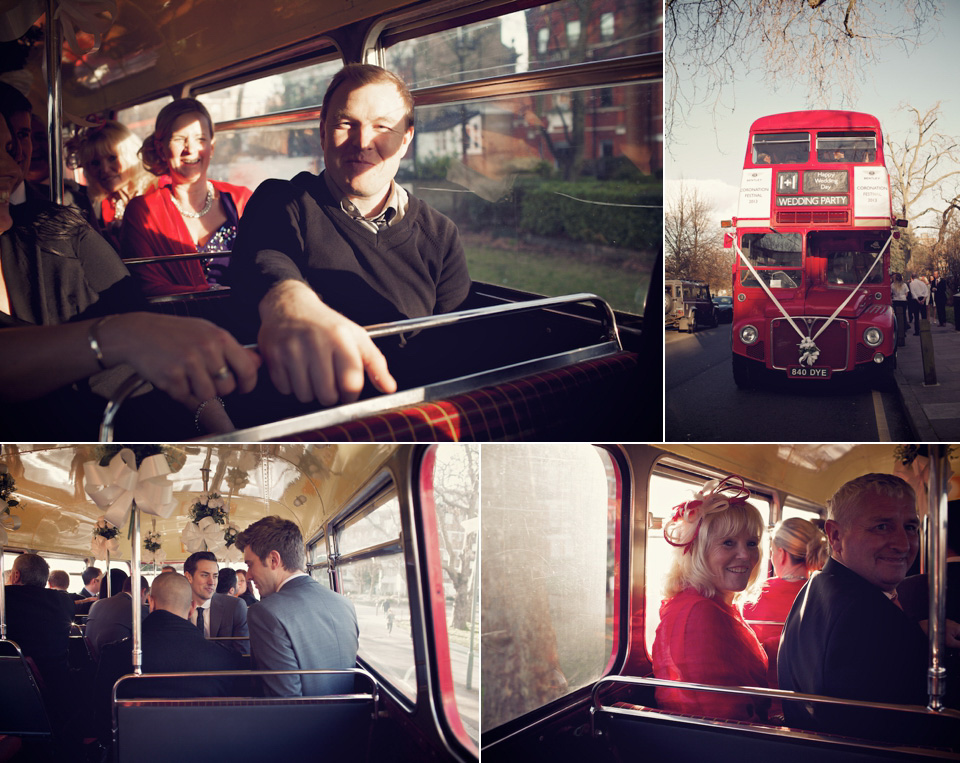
<point x="190" y="359"/>
<point x="315" y="352"/>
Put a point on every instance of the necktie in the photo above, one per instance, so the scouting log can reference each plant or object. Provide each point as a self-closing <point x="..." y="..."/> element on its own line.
<point x="896" y="600"/>
<point x="200" y="622"/>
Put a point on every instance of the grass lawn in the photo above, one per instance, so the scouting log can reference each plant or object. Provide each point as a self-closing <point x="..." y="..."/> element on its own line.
<point x="621" y="278"/>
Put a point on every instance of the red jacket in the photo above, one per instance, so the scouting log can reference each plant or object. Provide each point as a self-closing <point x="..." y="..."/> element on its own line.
<point x="774" y="604"/>
<point x="153" y="227"/>
<point x="705" y="641"/>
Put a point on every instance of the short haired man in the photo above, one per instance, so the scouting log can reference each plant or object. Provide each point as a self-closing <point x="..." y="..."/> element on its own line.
<point x="323" y="255"/>
<point x="298" y="624"/>
<point x="39" y="620"/>
<point x="168" y="568"/>
<point x="227" y="582"/>
<point x="59" y="580"/>
<point x="111" y="619"/>
<point x="91" y="577"/>
<point x="846" y="635"/>
<point x="218" y="614"/>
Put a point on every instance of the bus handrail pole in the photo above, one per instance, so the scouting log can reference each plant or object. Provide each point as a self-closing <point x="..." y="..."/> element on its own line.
<point x="608" y="321"/>
<point x="137" y="630"/>
<point x="936" y="572"/>
<point x="53" y="44"/>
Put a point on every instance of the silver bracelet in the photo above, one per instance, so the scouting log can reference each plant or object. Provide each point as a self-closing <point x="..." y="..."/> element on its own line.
<point x="94" y="341"/>
<point x="196" y="416"/>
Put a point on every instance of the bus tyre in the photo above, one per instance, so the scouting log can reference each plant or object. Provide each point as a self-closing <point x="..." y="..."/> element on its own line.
<point x="745" y="372"/>
<point x="883" y="378"/>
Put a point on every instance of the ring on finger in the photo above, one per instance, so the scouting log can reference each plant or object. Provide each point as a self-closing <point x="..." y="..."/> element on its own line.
<point x="222" y="374"/>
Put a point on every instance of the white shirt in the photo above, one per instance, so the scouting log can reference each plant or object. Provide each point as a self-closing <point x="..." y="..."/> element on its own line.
<point x="919" y="289"/>
<point x="294" y="575"/>
<point x="206" y="617"/>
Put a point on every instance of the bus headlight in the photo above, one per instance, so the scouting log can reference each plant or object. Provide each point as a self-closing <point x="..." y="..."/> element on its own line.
<point x="749" y="334"/>
<point x="873" y="336"/>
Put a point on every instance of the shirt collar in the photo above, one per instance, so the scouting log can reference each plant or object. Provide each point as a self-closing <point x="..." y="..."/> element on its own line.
<point x="287" y="580"/>
<point x="206" y="604"/>
<point x="389" y="212"/>
<point x="19" y="194"/>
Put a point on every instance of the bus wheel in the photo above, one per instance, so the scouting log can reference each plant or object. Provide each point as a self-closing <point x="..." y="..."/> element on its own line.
<point x="883" y="379"/>
<point x="745" y="372"/>
<point x="692" y="322"/>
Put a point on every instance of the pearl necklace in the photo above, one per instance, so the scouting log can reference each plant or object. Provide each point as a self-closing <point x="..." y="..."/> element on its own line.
<point x="208" y="205"/>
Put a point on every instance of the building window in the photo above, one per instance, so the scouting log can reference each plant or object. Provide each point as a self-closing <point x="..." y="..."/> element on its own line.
<point x="606" y="26"/>
<point x="573" y="33"/>
<point x="543" y="37"/>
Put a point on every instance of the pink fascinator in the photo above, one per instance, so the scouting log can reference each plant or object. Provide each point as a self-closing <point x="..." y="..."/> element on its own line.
<point x="714" y="496"/>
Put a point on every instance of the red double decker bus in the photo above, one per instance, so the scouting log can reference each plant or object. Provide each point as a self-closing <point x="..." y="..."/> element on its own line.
<point x="811" y="279"/>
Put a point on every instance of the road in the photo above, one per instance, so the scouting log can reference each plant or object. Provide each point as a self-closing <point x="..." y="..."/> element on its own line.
<point x="704" y="405"/>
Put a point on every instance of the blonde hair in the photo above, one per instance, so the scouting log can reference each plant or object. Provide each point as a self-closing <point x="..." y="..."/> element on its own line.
<point x="97" y="142"/>
<point x="689" y="569"/>
<point x="803" y="541"/>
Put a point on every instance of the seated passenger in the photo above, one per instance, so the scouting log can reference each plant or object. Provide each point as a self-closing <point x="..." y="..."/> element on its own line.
<point x="318" y="257"/>
<point x="227" y="582"/>
<point x="187" y="212"/>
<point x="847" y="635"/>
<point x="245" y="589"/>
<point x="797" y="550"/>
<point x="112" y="619"/>
<point x="61" y="291"/>
<point x="114" y="174"/>
<point x="702" y="637"/>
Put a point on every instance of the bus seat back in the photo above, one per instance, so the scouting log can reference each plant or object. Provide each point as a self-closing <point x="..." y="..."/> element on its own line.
<point x="22" y="711"/>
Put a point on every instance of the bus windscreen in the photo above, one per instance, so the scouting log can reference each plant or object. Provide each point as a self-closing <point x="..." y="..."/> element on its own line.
<point x="777" y="257"/>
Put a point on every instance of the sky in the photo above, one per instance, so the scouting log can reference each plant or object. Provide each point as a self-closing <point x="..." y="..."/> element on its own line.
<point x="707" y="152"/>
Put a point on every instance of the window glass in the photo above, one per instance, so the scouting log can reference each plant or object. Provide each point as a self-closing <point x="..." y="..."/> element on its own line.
<point x="548" y="579"/>
<point x="791" y="509"/>
<point x="319" y="563"/>
<point x="781" y="148"/>
<point x="853" y="146"/>
<point x="668" y="490"/>
<point x="456" y="494"/>
<point x="141" y="119"/>
<point x="376" y="583"/>
<point x="607" y="25"/>
<point x="776" y="256"/>
<point x="565" y="32"/>
<point x="540" y="203"/>
<point x="73" y="567"/>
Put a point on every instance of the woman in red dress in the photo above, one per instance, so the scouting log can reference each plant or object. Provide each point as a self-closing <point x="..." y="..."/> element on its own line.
<point x="799" y="548"/>
<point x="187" y="212"/>
<point x="702" y="637"/>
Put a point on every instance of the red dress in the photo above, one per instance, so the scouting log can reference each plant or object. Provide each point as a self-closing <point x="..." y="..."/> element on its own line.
<point x="774" y="604"/>
<point x="705" y="641"/>
<point x="153" y="226"/>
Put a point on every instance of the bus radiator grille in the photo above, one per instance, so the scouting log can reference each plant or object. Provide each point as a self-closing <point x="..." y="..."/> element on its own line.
<point x="813" y="216"/>
<point x="832" y="343"/>
<point x="755" y="351"/>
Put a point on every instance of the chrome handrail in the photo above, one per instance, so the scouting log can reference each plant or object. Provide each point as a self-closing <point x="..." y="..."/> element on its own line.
<point x="608" y="323"/>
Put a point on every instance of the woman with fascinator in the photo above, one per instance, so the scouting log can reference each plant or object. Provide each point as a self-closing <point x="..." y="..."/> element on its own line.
<point x="702" y="636"/>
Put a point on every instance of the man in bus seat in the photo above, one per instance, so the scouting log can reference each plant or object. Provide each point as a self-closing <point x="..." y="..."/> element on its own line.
<point x="217" y="613"/>
<point x="59" y="580"/>
<point x="39" y="620"/>
<point x="299" y="624"/>
<point x="846" y="635"/>
<point x="918" y="305"/>
<point x="91" y="577"/>
<point x="112" y="619"/>
<point x="320" y="256"/>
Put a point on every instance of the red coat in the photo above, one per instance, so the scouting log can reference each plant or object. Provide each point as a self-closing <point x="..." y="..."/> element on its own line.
<point x="153" y="226"/>
<point x="705" y="641"/>
<point x="774" y="604"/>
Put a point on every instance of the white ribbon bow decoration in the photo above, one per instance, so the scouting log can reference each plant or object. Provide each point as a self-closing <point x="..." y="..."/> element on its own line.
<point x="205" y="535"/>
<point x="8" y="522"/>
<point x="115" y="487"/>
<point x="232" y="554"/>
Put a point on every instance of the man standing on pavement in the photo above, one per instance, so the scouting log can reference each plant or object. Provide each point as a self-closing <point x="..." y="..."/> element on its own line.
<point x="939" y="289"/>
<point x="298" y="624"/>
<point x="918" y="306"/>
<point x="216" y="613"/>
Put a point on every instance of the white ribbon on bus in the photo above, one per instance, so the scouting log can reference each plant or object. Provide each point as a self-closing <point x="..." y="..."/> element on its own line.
<point x="808" y="346"/>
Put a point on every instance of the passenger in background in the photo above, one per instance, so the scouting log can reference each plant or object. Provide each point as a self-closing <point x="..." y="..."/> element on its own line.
<point x="62" y="289"/>
<point x="702" y="637"/>
<point x="113" y="585"/>
<point x="215" y="613"/>
<point x="112" y="619"/>
<point x="317" y="257"/>
<point x="298" y="624"/>
<point x="847" y="635"/>
<point x="798" y="549"/>
<point x="114" y="174"/>
<point x="39" y="620"/>
<point x="186" y="212"/>
<point x="227" y="582"/>
<point x="91" y="578"/>
<point x="168" y="568"/>
<point x="59" y="580"/>
<point x="245" y="588"/>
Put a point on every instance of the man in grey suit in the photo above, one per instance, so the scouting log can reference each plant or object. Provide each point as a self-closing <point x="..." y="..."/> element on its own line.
<point x="112" y="619"/>
<point x="217" y="613"/>
<point x="298" y="624"/>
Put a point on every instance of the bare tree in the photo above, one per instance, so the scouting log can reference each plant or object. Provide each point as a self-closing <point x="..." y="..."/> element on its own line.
<point x="825" y="45"/>
<point x="925" y="161"/>
<point x="691" y="234"/>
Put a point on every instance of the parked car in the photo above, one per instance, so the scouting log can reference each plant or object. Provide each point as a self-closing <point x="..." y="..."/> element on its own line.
<point x="687" y="305"/>
<point x="723" y="309"/>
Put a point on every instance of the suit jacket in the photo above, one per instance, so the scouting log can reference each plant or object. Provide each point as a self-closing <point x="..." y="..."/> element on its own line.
<point x="228" y="617"/>
<point x="110" y="620"/>
<point x="304" y="625"/>
<point x="845" y="638"/>
<point x="39" y="620"/>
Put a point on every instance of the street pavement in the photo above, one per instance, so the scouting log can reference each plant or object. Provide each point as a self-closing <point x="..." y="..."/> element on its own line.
<point x="933" y="408"/>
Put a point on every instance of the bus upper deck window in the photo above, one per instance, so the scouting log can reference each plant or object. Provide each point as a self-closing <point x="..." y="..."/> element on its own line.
<point x="849" y="146"/>
<point x="781" y="148"/>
